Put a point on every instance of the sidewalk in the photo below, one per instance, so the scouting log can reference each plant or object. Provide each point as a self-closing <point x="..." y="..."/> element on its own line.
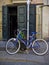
<point x="5" y="57"/>
<point x="22" y="58"/>
<point x="2" y="45"/>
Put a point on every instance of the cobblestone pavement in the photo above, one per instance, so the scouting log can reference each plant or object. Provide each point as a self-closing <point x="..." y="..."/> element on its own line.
<point x="22" y="58"/>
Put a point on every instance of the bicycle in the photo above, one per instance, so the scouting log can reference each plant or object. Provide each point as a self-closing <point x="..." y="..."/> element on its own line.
<point x="39" y="46"/>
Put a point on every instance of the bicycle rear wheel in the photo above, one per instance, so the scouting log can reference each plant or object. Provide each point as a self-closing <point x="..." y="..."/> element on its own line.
<point x="40" y="47"/>
<point x="12" y="46"/>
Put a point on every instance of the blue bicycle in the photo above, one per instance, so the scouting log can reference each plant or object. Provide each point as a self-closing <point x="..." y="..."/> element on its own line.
<point x="39" y="46"/>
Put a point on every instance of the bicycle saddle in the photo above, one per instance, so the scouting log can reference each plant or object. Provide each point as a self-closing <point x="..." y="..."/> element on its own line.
<point x="33" y="32"/>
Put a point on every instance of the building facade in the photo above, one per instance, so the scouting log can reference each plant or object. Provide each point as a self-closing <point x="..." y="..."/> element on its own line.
<point x="13" y="15"/>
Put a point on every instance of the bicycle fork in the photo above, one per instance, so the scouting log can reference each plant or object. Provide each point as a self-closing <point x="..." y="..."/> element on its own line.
<point x="36" y="45"/>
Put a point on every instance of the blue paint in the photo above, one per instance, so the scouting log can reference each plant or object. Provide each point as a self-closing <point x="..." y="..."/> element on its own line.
<point x="31" y="39"/>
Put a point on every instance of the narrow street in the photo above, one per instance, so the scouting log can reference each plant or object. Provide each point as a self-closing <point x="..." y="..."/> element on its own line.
<point x="22" y="58"/>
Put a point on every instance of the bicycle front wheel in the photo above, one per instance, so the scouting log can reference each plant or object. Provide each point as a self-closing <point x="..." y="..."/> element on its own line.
<point x="12" y="46"/>
<point x="40" y="47"/>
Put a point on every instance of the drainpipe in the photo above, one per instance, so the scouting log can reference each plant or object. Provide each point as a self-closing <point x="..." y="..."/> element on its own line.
<point x="28" y="4"/>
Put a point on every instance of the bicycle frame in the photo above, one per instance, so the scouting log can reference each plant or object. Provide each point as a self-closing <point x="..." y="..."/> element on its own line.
<point x="32" y="38"/>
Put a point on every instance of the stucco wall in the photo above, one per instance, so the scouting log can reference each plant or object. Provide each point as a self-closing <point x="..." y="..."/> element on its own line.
<point x="45" y="22"/>
<point x="7" y="2"/>
<point x="38" y="21"/>
<point x="0" y="22"/>
<point x="37" y="1"/>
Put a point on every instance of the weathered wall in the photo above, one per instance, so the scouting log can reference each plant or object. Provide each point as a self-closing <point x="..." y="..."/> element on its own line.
<point x="38" y="21"/>
<point x="45" y="22"/>
<point x="36" y="1"/>
<point x="0" y="20"/>
<point x="8" y="2"/>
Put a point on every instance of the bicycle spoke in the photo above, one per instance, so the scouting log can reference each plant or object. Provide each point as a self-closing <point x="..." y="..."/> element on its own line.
<point x="12" y="46"/>
<point x="40" y="46"/>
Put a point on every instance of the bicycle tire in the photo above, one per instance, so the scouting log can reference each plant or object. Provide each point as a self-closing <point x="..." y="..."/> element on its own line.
<point x="35" y="49"/>
<point x="11" y="48"/>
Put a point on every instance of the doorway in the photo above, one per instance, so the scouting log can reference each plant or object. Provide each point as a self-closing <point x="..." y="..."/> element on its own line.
<point x="12" y="11"/>
<point x="15" y="16"/>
